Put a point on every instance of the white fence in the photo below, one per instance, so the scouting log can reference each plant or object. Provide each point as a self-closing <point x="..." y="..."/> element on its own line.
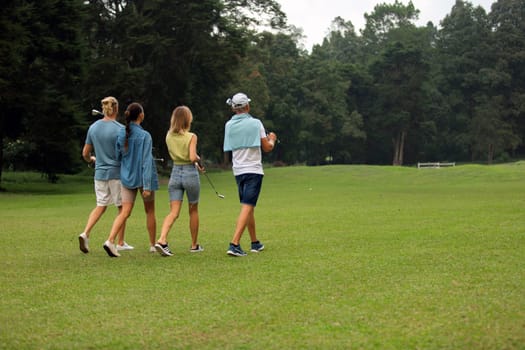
<point x="434" y="165"/>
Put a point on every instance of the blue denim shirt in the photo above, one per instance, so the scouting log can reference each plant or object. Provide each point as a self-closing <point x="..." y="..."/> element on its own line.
<point x="137" y="165"/>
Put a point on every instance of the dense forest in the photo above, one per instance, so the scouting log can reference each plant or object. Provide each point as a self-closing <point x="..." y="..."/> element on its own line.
<point x="392" y="93"/>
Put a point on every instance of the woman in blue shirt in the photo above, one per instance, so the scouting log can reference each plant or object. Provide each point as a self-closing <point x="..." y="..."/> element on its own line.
<point x="138" y="173"/>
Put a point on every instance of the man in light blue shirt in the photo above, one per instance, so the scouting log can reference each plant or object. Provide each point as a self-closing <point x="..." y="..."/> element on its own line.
<point x="100" y="139"/>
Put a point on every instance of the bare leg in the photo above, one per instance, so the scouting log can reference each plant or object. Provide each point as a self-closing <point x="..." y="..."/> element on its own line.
<point x="169" y="220"/>
<point x="120" y="234"/>
<point x="244" y="218"/>
<point x="120" y="221"/>
<point x="93" y="218"/>
<point x="151" y="221"/>
<point x="251" y="226"/>
<point x="194" y="224"/>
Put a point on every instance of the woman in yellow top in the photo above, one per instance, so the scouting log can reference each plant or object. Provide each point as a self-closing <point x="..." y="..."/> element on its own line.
<point x="182" y="147"/>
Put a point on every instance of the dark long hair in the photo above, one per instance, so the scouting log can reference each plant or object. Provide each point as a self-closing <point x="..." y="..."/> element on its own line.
<point x="132" y="114"/>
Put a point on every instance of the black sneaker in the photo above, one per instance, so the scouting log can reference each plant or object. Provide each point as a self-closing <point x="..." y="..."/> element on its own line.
<point x="163" y="249"/>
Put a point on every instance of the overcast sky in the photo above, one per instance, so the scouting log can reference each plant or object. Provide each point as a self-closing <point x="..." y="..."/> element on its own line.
<point x="315" y="16"/>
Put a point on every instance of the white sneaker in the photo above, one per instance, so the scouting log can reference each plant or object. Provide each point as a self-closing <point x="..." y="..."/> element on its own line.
<point x="110" y="249"/>
<point x="197" y="249"/>
<point x="83" y="241"/>
<point x="125" y="246"/>
<point x="152" y="249"/>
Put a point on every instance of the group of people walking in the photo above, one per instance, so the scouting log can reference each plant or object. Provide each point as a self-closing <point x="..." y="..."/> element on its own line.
<point x="124" y="167"/>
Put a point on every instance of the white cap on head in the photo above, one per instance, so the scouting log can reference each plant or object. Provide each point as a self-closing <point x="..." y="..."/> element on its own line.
<point x="238" y="100"/>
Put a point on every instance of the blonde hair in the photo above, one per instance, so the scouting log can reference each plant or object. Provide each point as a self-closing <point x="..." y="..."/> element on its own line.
<point x="181" y="119"/>
<point x="109" y="105"/>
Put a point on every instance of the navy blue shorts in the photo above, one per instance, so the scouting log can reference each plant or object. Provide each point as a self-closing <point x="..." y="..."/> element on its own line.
<point x="249" y="186"/>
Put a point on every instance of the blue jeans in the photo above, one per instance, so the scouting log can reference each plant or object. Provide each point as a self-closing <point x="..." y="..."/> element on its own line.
<point x="184" y="178"/>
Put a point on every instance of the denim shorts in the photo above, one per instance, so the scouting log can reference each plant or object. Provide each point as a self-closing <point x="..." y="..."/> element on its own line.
<point x="249" y="186"/>
<point x="184" y="178"/>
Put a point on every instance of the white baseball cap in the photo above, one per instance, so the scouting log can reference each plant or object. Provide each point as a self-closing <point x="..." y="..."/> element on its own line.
<point x="238" y="100"/>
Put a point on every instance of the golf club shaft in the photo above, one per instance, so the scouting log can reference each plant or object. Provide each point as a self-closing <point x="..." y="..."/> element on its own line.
<point x="209" y="181"/>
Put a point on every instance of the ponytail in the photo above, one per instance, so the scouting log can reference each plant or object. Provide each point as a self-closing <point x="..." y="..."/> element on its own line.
<point x="132" y="114"/>
<point x="128" y="130"/>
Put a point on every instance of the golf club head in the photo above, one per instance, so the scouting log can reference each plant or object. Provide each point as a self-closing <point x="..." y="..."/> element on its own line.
<point x="221" y="196"/>
<point x="95" y="112"/>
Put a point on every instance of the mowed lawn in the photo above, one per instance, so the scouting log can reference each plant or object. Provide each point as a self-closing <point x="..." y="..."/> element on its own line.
<point x="357" y="257"/>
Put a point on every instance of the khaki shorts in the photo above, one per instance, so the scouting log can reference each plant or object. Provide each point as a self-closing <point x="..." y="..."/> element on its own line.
<point x="129" y="195"/>
<point x="108" y="192"/>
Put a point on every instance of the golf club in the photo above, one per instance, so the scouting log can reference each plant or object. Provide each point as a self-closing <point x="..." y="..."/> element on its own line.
<point x="211" y="184"/>
<point x="95" y="112"/>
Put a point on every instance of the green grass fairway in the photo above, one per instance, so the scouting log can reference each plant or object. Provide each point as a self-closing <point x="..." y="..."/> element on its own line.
<point x="357" y="257"/>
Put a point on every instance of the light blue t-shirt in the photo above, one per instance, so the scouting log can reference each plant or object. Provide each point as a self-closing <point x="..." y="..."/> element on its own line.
<point x="137" y="166"/>
<point x="102" y="135"/>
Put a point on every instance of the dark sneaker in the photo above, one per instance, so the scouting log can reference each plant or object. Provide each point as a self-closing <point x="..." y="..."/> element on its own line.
<point x="83" y="242"/>
<point x="235" y="250"/>
<point x="111" y="249"/>
<point x="197" y="249"/>
<point x="163" y="249"/>
<point x="257" y="247"/>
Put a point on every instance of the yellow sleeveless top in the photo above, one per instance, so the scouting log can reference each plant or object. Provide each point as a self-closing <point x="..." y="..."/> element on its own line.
<point x="179" y="147"/>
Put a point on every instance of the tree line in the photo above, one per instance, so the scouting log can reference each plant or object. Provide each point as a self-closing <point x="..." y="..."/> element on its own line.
<point x="392" y="93"/>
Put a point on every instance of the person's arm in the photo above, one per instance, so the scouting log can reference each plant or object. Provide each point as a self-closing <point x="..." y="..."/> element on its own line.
<point x="86" y="153"/>
<point x="147" y="165"/>
<point x="268" y="142"/>
<point x="194" y="157"/>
